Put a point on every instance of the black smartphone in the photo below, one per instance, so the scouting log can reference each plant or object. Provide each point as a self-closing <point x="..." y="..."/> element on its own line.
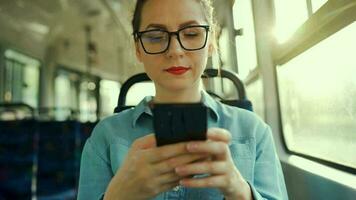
<point x="175" y="123"/>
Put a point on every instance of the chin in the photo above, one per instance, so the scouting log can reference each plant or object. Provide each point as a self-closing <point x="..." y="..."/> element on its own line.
<point x="178" y="85"/>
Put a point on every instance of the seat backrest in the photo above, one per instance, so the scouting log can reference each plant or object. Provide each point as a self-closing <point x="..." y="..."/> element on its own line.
<point x="18" y="155"/>
<point x="138" y="78"/>
<point x="51" y="147"/>
<point x="16" y="111"/>
<point x="58" y="157"/>
<point x="85" y="132"/>
<point x="241" y="102"/>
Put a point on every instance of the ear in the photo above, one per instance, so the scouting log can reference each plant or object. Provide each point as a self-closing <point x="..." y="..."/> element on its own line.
<point x="138" y="52"/>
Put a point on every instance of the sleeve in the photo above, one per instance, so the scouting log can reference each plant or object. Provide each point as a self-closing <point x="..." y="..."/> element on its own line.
<point x="95" y="174"/>
<point x="268" y="175"/>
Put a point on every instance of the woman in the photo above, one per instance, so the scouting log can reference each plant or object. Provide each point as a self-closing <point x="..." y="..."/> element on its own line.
<point x="173" y="40"/>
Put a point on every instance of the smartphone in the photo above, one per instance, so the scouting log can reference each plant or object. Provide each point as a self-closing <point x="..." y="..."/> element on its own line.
<point x="175" y="123"/>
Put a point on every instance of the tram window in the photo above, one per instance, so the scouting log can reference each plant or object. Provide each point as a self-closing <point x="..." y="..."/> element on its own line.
<point x="21" y="77"/>
<point x="290" y="15"/>
<point x="138" y="91"/>
<point x="88" y="101"/>
<point x="109" y="93"/>
<point x="64" y="85"/>
<point x="316" y="4"/>
<point x="82" y="98"/>
<point x="228" y="89"/>
<point x="246" y="43"/>
<point x="224" y="48"/>
<point x="254" y="92"/>
<point x="222" y="86"/>
<point x="31" y="85"/>
<point x="13" y="80"/>
<point x="317" y="96"/>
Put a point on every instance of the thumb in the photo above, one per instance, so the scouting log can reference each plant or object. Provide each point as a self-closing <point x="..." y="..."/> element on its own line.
<point x="145" y="142"/>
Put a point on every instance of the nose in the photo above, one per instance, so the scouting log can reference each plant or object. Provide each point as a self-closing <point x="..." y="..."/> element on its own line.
<point x="175" y="49"/>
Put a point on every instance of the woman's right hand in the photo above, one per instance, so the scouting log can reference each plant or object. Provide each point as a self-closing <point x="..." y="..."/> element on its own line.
<point x="149" y="170"/>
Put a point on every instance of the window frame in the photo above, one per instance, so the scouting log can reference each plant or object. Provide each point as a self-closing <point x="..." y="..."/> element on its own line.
<point x="3" y="63"/>
<point x="329" y="19"/>
<point x="64" y="69"/>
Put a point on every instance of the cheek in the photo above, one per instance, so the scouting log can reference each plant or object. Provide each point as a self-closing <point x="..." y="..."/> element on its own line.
<point x="149" y="68"/>
<point x="151" y="65"/>
<point x="201" y="60"/>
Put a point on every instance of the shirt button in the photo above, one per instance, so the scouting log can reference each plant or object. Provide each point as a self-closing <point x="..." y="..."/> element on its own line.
<point x="176" y="188"/>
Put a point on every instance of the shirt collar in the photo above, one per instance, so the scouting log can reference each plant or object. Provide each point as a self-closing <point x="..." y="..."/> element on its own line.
<point x="144" y="107"/>
<point x="212" y="104"/>
<point x="141" y="108"/>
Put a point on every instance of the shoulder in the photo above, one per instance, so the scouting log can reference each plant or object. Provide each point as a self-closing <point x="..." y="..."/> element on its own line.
<point x="117" y="119"/>
<point x="241" y="122"/>
<point x="112" y="128"/>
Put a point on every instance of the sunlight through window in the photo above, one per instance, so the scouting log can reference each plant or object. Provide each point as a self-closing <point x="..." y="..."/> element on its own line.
<point x="317" y="94"/>
<point x="245" y="44"/>
<point x="316" y="4"/>
<point x="290" y="15"/>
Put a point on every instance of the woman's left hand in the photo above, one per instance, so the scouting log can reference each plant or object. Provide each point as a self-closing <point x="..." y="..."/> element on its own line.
<point x="221" y="169"/>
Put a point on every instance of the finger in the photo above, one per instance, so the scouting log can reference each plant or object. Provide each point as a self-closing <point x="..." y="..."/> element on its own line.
<point x="208" y="167"/>
<point x="169" y="178"/>
<point x="187" y="158"/>
<point x="219" y="181"/>
<point x="219" y="134"/>
<point x="145" y="142"/>
<point x="170" y="164"/>
<point x="209" y="147"/>
<point x="165" y="152"/>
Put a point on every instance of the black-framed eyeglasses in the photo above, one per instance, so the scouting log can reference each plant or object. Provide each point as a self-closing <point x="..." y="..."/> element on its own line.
<point x="190" y="38"/>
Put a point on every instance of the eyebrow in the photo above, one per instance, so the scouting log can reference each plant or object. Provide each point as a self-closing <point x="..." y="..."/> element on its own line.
<point x="161" y="26"/>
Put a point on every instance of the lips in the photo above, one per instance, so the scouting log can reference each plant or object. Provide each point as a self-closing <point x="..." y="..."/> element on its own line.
<point x="177" y="70"/>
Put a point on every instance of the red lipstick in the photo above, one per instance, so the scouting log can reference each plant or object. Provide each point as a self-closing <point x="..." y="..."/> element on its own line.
<point x="177" y="70"/>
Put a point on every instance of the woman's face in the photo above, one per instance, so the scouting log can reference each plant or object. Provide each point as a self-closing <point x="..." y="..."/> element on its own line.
<point x="175" y="69"/>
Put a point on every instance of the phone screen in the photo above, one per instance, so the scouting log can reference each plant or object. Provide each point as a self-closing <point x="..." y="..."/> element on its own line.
<point x="175" y="123"/>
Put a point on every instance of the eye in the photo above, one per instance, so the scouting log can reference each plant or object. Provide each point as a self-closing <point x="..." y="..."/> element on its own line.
<point x="192" y="32"/>
<point x="154" y="36"/>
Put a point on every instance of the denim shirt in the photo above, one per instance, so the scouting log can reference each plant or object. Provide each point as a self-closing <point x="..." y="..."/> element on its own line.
<point x="252" y="151"/>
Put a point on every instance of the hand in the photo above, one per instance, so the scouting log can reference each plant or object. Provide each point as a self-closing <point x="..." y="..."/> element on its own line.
<point x="149" y="170"/>
<point x="223" y="173"/>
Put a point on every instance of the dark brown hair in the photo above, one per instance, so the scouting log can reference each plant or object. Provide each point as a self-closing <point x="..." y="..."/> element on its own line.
<point x="136" y="19"/>
<point x="206" y="5"/>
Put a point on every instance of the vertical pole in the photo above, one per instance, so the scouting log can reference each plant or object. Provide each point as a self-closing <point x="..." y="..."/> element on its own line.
<point x="47" y="76"/>
<point x="309" y="7"/>
<point x="232" y="41"/>
<point x="2" y="74"/>
<point x="264" y="22"/>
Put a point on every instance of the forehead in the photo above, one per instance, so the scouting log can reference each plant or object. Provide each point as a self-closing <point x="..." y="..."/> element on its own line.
<point x="171" y="13"/>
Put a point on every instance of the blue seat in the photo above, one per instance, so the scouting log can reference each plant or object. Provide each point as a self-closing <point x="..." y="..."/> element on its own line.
<point x="53" y="148"/>
<point x="241" y="101"/>
<point x="85" y="132"/>
<point x="58" y="158"/>
<point x="18" y="155"/>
